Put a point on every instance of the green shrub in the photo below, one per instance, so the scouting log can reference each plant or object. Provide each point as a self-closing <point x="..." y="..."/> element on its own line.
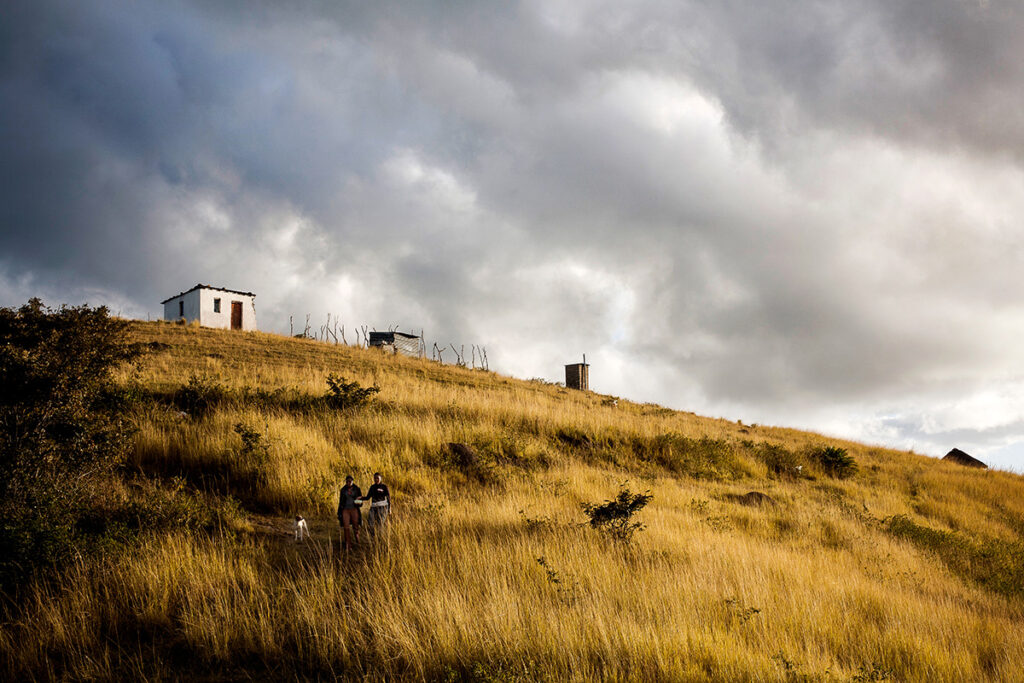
<point x="279" y="398"/>
<point x="574" y="438"/>
<point x="123" y="398"/>
<point x="200" y="396"/>
<point x="835" y="461"/>
<point x="490" y="672"/>
<point x="609" y="445"/>
<point x="703" y="458"/>
<point x="781" y="461"/>
<point x="566" y="588"/>
<point x="510" y="448"/>
<point x="253" y="445"/>
<point x="615" y="517"/>
<point x="59" y="434"/>
<point x="343" y="395"/>
<point x="472" y="464"/>
<point x="872" y="672"/>
<point x="155" y="505"/>
<point x="254" y="454"/>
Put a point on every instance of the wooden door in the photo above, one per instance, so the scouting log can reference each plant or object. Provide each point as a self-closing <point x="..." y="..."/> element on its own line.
<point x="236" y="315"/>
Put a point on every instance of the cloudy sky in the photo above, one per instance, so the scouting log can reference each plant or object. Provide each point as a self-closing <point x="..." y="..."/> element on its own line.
<point x="808" y="214"/>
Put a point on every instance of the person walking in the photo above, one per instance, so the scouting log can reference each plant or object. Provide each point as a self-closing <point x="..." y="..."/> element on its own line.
<point x="348" y="511"/>
<point x="380" y="503"/>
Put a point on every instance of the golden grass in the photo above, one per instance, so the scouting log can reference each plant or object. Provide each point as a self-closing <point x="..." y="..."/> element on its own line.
<point x="812" y="589"/>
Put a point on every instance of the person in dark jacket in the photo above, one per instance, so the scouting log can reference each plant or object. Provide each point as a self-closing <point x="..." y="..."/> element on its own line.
<point x="380" y="503"/>
<point x="349" y="500"/>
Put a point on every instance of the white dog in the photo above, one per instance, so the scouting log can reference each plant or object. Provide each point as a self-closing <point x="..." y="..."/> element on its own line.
<point x="301" y="530"/>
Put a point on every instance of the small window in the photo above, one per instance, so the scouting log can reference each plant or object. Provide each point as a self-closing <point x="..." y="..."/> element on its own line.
<point x="181" y="308"/>
<point x="216" y="305"/>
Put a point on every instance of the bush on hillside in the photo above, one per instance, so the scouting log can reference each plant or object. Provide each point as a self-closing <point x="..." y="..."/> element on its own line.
<point x="200" y="396"/>
<point x="509" y="447"/>
<point x="574" y="437"/>
<point x="615" y="517"/>
<point x="343" y="395"/>
<point x="835" y="461"/>
<point x="59" y="435"/>
<point x="466" y="459"/>
<point x="255" y="453"/>
<point x="780" y="461"/>
<point x="703" y="458"/>
<point x="154" y="505"/>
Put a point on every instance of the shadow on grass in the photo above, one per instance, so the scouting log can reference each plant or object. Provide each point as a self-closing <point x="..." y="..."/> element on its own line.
<point x="996" y="564"/>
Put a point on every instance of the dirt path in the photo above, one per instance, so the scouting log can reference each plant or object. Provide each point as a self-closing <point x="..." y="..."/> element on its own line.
<point x="277" y="534"/>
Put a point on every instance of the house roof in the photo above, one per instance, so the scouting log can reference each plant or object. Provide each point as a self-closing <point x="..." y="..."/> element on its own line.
<point x="202" y="286"/>
<point x="958" y="456"/>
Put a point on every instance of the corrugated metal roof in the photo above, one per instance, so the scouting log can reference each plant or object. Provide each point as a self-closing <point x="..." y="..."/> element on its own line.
<point x="202" y="286"/>
<point x="390" y="336"/>
<point x="408" y="344"/>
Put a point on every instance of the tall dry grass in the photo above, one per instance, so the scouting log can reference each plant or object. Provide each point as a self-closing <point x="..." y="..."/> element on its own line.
<point x="499" y="579"/>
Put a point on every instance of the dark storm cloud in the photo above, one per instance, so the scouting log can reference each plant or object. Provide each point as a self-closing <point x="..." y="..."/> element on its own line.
<point x="773" y="207"/>
<point x="945" y="72"/>
<point x="117" y="114"/>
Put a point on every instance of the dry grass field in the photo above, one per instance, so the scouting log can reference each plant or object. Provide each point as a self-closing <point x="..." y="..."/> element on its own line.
<point x="911" y="569"/>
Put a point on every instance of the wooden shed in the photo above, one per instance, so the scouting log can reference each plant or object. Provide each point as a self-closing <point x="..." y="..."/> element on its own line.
<point x="577" y="376"/>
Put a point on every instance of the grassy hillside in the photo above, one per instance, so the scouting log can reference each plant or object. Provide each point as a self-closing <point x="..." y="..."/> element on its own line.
<point x="910" y="569"/>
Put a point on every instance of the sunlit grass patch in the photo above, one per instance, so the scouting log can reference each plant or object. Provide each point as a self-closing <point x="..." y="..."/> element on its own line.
<point x="812" y="587"/>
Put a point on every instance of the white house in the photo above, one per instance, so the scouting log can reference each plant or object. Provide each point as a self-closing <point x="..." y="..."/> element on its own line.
<point x="213" y="307"/>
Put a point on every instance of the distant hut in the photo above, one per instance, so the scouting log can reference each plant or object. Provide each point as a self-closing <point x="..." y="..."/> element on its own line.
<point x="398" y="342"/>
<point x="960" y="458"/>
<point x="577" y="375"/>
